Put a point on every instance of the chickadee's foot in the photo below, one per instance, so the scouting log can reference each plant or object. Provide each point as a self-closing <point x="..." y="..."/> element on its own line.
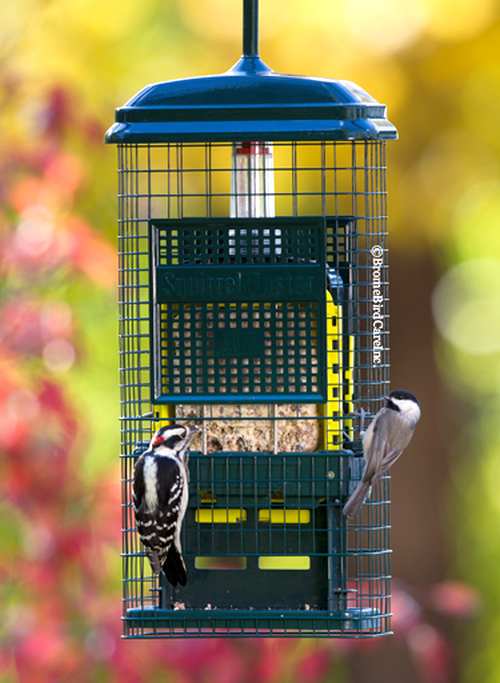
<point x="361" y="412"/>
<point x="348" y="438"/>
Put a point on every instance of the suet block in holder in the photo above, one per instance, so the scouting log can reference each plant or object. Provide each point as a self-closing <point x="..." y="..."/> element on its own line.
<point x="253" y="302"/>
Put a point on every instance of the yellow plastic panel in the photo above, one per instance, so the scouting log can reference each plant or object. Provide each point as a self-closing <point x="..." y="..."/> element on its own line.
<point x="349" y="388"/>
<point x="282" y="562"/>
<point x="165" y="414"/>
<point x="220" y="516"/>
<point x="285" y="516"/>
<point x="220" y="563"/>
<point x="332" y="409"/>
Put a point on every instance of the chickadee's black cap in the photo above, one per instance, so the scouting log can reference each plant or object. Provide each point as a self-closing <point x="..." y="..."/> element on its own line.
<point x="403" y="395"/>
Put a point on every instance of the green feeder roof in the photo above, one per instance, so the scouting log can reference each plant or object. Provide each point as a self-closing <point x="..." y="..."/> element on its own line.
<point x="250" y="102"/>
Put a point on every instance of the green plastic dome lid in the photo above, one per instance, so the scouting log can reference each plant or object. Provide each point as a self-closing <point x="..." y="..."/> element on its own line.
<point x="250" y="102"/>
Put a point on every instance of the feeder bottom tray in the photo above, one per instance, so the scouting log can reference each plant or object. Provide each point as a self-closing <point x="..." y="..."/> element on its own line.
<point x="268" y="553"/>
<point x="196" y="623"/>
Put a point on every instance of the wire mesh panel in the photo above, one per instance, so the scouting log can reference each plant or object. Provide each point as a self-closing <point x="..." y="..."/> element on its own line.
<point x="258" y="311"/>
<point x="231" y="349"/>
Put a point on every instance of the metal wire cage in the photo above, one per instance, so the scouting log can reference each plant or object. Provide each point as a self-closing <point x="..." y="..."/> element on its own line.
<point x="254" y="303"/>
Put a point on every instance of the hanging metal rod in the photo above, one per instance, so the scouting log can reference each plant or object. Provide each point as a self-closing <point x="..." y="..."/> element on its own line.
<point x="251" y="28"/>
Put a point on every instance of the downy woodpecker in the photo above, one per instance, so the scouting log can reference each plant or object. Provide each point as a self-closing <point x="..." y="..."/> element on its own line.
<point x="160" y="499"/>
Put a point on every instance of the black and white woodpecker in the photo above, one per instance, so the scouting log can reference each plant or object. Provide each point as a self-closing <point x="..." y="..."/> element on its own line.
<point x="161" y="481"/>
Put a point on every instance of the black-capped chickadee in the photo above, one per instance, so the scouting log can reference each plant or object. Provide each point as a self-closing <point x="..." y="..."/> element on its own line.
<point x="160" y="499"/>
<point x="388" y="434"/>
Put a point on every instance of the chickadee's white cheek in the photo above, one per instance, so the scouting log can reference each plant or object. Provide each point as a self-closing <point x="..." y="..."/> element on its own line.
<point x="410" y="409"/>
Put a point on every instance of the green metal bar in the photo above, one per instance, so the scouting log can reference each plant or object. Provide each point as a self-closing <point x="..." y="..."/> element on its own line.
<point x="251" y="28"/>
<point x="243" y="398"/>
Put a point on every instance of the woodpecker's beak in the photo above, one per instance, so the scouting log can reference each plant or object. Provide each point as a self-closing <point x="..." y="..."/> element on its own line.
<point x="193" y="431"/>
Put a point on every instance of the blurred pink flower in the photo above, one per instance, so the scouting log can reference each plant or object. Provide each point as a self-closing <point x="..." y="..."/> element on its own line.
<point x="52" y="179"/>
<point x="407" y="613"/>
<point x="64" y="172"/>
<point x="314" y="667"/>
<point x="93" y="130"/>
<point x="27" y="326"/>
<point x="91" y="254"/>
<point x="37" y="448"/>
<point x="56" y="114"/>
<point x="38" y="245"/>
<point x="45" y="654"/>
<point x="34" y="191"/>
<point x="268" y="665"/>
<point x="456" y="599"/>
<point x="431" y="652"/>
<point x="105" y="502"/>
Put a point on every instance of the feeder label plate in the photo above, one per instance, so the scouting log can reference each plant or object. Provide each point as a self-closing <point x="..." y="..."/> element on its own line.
<point x="191" y="284"/>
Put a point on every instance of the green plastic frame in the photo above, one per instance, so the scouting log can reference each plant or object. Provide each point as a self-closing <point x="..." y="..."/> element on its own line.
<point x="204" y="271"/>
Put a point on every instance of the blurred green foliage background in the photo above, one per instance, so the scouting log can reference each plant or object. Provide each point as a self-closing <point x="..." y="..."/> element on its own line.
<point x="64" y="66"/>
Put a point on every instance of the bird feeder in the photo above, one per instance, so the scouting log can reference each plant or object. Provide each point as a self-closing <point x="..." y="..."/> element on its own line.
<point x="253" y="302"/>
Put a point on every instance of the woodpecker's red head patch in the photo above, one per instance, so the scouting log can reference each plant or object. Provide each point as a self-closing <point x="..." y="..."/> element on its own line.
<point x="175" y="437"/>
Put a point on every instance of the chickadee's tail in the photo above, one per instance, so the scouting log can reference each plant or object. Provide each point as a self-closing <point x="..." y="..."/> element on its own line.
<point x="174" y="567"/>
<point x="356" y="499"/>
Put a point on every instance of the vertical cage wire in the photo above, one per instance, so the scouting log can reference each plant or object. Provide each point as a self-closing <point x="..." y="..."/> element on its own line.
<point x="251" y="518"/>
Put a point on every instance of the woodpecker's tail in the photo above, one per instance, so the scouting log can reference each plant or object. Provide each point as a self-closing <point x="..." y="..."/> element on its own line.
<point x="174" y="567"/>
<point x="357" y="499"/>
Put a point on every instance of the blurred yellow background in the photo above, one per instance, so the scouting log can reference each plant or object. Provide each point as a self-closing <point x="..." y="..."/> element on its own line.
<point x="64" y="66"/>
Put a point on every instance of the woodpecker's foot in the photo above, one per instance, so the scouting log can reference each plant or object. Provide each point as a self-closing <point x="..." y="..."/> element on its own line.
<point x="155" y="563"/>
